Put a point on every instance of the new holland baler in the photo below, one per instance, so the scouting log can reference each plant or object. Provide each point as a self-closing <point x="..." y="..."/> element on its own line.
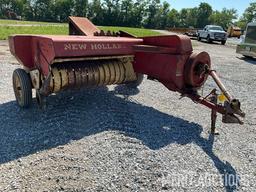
<point x="89" y="57"/>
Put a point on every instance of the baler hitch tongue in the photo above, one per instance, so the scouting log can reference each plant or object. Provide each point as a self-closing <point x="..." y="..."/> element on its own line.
<point x="231" y="110"/>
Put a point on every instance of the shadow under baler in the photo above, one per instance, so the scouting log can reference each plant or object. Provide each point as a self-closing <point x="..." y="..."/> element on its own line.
<point x="74" y="115"/>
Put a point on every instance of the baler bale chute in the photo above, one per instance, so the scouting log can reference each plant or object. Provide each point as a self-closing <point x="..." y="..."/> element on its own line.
<point x="89" y="57"/>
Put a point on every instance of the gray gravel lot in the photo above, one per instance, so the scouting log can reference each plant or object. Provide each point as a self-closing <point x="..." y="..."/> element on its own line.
<point x="114" y="139"/>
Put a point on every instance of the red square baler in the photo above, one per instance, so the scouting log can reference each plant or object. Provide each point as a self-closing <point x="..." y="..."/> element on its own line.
<point x="89" y="57"/>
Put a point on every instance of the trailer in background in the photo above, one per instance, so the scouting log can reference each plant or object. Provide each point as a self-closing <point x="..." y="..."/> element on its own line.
<point x="247" y="47"/>
<point x="191" y="31"/>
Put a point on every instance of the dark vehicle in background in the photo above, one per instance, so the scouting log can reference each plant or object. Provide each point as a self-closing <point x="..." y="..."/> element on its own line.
<point x="247" y="47"/>
<point x="191" y="32"/>
<point x="212" y="33"/>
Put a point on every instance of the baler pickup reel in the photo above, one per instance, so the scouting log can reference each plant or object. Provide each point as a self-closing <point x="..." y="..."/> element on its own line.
<point x="89" y="57"/>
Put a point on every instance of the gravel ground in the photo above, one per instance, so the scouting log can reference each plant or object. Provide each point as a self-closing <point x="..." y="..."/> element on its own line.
<point x="114" y="139"/>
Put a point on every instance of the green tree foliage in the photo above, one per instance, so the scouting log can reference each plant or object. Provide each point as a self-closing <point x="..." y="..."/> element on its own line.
<point x="63" y="9"/>
<point x="250" y="13"/>
<point x="188" y="17"/>
<point x="81" y="7"/>
<point x="248" y="16"/>
<point x="44" y="10"/>
<point x="95" y="12"/>
<point x="28" y="11"/>
<point x="138" y="14"/>
<point x="152" y="13"/>
<point x="16" y="6"/>
<point x="163" y="15"/>
<point x="131" y="13"/>
<point x="223" y="18"/>
<point x="173" y="18"/>
<point x="112" y="12"/>
<point x="203" y="15"/>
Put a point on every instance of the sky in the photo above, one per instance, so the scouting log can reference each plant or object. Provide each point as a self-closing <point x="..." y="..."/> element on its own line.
<point x="240" y="5"/>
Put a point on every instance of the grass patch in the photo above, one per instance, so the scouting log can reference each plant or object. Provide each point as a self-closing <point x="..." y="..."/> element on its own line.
<point x="11" y="27"/>
<point x="6" y="31"/>
<point x="17" y="22"/>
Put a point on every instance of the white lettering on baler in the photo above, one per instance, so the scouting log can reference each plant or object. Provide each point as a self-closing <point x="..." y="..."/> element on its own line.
<point x="107" y="46"/>
<point x="74" y="46"/>
<point x="95" y="46"/>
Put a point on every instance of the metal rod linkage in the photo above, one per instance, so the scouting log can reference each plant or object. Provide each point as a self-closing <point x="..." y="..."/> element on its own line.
<point x="215" y="77"/>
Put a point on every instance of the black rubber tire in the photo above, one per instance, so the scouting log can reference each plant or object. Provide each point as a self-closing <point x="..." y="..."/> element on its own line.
<point x="135" y="84"/>
<point x="41" y="100"/>
<point x="223" y="42"/>
<point x="209" y="39"/>
<point x="23" y="91"/>
<point x="248" y="57"/>
<point x="199" y="38"/>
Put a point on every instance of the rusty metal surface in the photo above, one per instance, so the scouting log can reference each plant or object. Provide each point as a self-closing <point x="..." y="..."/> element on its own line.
<point x="89" y="74"/>
<point x="64" y="78"/>
<point x="195" y="73"/>
<point x="130" y="75"/>
<point x="84" y="78"/>
<point x="35" y="78"/>
<point x="71" y="77"/>
<point x="112" y="73"/>
<point x="122" y="72"/>
<point x="101" y="75"/>
<point x="106" y="73"/>
<point x="57" y="79"/>
<point x="107" y="33"/>
<point x="117" y="74"/>
<point x="81" y="26"/>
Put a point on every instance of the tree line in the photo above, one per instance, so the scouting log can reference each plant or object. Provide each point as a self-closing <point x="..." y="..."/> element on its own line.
<point x="131" y="13"/>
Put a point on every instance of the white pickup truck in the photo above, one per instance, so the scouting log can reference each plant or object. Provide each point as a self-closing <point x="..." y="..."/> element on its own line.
<point x="212" y="33"/>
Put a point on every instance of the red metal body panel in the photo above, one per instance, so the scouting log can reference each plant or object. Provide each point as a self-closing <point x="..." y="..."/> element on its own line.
<point x="162" y="57"/>
<point x="21" y="48"/>
<point x="40" y="51"/>
<point x="94" y="46"/>
<point x="181" y="44"/>
<point x="167" y="63"/>
<point x="166" y="68"/>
